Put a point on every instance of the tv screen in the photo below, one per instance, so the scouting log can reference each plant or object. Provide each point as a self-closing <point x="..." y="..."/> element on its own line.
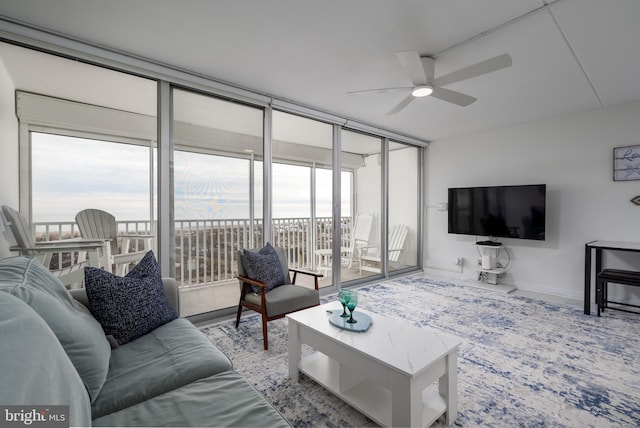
<point x="498" y="211"/>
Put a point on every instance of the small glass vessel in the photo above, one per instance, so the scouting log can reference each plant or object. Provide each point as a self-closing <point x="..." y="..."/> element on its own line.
<point x="344" y="296"/>
<point x="351" y="305"/>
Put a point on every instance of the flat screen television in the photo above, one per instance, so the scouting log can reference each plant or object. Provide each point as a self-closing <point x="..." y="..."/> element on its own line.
<point x="498" y="211"/>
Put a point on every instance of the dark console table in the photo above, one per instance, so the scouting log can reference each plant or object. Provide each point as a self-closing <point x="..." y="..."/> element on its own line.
<point x="599" y="247"/>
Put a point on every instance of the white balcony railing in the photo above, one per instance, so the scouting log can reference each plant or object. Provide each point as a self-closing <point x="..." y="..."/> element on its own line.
<point x="206" y="250"/>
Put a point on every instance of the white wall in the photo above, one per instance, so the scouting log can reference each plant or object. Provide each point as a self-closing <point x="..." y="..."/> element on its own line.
<point x="572" y="155"/>
<point x="8" y="154"/>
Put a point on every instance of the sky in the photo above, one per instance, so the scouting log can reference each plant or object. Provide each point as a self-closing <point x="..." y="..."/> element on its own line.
<point x="71" y="174"/>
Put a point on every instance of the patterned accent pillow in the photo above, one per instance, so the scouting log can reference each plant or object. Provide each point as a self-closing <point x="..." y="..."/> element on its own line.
<point x="263" y="266"/>
<point x="130" y="306"/>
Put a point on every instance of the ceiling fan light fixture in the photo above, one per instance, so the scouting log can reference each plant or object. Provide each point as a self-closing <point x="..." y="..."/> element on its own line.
<point x="422" y="91"/>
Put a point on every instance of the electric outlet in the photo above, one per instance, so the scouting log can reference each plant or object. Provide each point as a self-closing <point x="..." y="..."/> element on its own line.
<point x="458" y="261"/>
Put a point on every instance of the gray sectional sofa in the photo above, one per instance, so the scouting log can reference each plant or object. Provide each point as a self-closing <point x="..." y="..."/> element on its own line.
<point x="54" y="352"/>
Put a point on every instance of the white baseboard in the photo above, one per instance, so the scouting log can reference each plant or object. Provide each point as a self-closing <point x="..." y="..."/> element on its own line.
<point x="460" y="279"/>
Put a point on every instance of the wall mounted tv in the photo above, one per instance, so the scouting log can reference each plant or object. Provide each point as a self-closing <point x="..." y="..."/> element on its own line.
<point x="498" y="211"/>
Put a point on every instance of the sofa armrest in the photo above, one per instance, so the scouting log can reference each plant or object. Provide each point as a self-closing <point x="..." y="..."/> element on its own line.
<point x="80" y="294"/>
<point x="170" y="288"/>
<point x="172" y="291"/>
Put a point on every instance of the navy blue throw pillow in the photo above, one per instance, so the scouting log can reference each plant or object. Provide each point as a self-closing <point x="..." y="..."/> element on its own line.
<point x="130" y="306"/>
<point x="263" y="266"/>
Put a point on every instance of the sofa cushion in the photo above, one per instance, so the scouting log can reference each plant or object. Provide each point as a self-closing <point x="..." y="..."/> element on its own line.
<point x="264" y="266"/>
<point x="166" y="358"/>
<point x="34" y="367"/>
<point x="224" y="400"/>
<point x="79" y="333"/>
<point x="130" y="306"/>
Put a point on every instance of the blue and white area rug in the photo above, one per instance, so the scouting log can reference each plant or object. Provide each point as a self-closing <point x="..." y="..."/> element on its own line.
<point x="522" y="363"/>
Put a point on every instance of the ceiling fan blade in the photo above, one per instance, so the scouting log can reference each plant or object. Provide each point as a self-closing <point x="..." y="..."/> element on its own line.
<point x="453" y="97"/>
<point x="492" y="64"/>
<point x="428" y="65"/>
<point x="401" y="106"/>
<point x="412" y="63"/>
<point x="380" y="90"/>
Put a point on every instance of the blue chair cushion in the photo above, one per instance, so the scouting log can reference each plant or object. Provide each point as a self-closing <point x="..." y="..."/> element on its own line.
<point x="130" y="306"/>
<point x="264" y="266"/>
<point x="286" y="299"/>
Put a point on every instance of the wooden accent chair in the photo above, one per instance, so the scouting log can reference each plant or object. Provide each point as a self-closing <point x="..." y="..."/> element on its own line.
<point x="278" y="301"/>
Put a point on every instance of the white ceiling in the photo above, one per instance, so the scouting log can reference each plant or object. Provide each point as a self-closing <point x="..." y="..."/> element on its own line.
<point x="568" y="55"/>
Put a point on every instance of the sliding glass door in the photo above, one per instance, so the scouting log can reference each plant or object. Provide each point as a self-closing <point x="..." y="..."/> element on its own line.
<point x="361" y="229"/>
<point x="217" y="196"/>
<point x="302" y="192"/>
<point x="84" y="148"/>
<point x="404" y="211"/>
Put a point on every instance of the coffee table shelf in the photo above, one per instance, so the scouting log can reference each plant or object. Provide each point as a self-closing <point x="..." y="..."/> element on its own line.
<point x="365" y="395"/>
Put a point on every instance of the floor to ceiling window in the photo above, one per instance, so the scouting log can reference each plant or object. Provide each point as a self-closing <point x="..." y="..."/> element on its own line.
<point x="403" y="225"/>
<point x="362" y="231"/>
<point x="71" y="175"/>
<point x="217" y="197"/>
<point x="324" y="221"/>
<point x="89" y="142"/>
<point x="302" y="190"/>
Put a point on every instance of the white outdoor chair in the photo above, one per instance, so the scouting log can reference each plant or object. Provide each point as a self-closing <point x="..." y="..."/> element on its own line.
<point x="26" y="245"/>
<point x="372" y="262"/>
<point x="98" y="224"/>
<point x="358" y="238"/>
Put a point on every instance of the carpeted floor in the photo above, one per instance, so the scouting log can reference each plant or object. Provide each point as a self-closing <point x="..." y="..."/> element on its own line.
<point x="522" y="363"/>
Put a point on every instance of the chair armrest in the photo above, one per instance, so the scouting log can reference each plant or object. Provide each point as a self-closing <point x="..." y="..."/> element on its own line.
<point x="366" y="247"/>
<point x="126" y="258"/>
<point x="307" y="272"/>
<point x="59" y="247"/>
<point x="252" y="281"/>
<point x="315" y="276"/>
<point x="75" y="241"/>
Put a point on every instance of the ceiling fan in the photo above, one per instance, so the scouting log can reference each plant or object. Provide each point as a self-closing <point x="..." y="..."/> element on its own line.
<point x="421" y="73"/>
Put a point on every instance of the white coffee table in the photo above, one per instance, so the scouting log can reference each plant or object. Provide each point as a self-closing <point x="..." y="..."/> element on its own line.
<point x="384" y="372"/>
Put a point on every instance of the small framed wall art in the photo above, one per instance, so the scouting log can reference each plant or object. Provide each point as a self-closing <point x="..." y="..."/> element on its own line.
<point x="626" y="163"/>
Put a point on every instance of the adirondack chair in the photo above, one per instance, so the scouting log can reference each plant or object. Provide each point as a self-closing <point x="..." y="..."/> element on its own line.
<point x="373" y="262"/>
<point x="98" y="224"/>
<point x="26" y="245"/>
<point x="358" y="238"/>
